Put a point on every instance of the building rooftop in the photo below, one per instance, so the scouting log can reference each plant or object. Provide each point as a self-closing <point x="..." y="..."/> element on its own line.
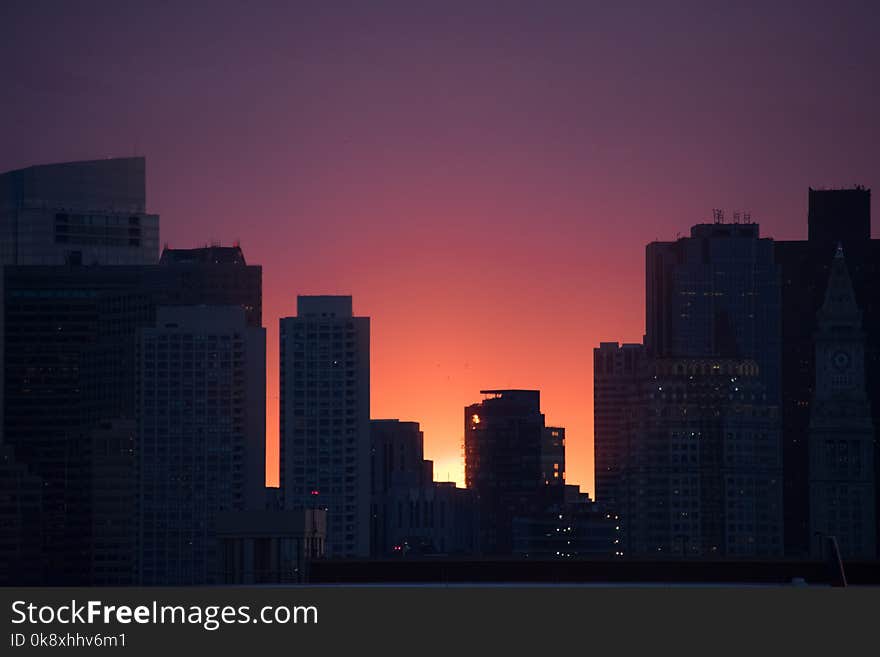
<point x="111" y="184"/>
<point x="218" y="255"/>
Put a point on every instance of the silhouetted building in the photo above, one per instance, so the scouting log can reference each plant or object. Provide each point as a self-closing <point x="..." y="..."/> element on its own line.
<point x="91" y="212"/>
<point x="21" y="558"/>
<point x="839" y="216"/>
<point x="325" y="418"/>
<point x="716" y="294"/>
<point x="504" y="464"/>
<point x="841" y="439"/>
<point x="412" y="514"/>
<point x="201" y="437"/>
<point x="687" y="428"/>
<point x="69" y="335"/>
<point x="618" y="375"/>
<point x="703" y="475"/>
<point x="835" y="216"/>
<point x="269" y="547"/>
<point x="206" y="255"/>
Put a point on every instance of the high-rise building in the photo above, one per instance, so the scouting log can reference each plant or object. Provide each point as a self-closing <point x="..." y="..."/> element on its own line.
<point x="201" y="437"/>
<point x="687" y="427"/>
<point x="325" y="418"/>
<point x="618" y="375"/>
<point x="841" y="439"/>
<point x="91" y="212"/>
<point x="836" y="216"/>
<point x="504" y="463"/>
<point x="69" y="359"/>
<point x="716" y="294"/>
<point x="411" y="513"/>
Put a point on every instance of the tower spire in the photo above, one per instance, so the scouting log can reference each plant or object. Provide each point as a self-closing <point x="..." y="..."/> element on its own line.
<point x="840" y="298"/>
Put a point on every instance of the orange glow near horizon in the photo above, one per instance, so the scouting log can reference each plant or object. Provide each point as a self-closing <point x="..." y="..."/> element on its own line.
<point x="441" y="333"/>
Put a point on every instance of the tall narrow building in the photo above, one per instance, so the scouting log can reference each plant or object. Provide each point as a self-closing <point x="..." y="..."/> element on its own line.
<point x="504" y="444"/>
<point x="618" y="373"/>
<point x="841" y="443"/>
<point x="325" y="418"/>
<point x="201" y="437"/>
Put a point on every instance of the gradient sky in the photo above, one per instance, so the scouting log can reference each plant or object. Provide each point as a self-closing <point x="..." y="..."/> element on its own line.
<point x="481" y="177"/>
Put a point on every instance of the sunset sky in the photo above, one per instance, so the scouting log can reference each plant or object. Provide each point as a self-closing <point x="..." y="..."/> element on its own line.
<point x="481" y="177"/>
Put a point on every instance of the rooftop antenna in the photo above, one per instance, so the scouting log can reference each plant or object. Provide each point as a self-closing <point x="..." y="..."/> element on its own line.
<point x="718" y="215"/>
<point x="747" y="217"/>
<point x="736" y="216"/>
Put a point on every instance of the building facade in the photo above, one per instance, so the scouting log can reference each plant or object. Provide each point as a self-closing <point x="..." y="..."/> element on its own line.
<point x="835" y="216"/>
<point x="717" y="294"/>
<point x="411" y="514"/>
<point x="91" y="212"/>
<point x="505" y="464"/>
<point x="841" y="438"/>
<point x="618" y="375"/>
<point x="269" y="547"/>
<point x="704" y="471"/>
<point x="201" y="437"/>
<point x="325" y="418"/>
<point x="21" y="549"/>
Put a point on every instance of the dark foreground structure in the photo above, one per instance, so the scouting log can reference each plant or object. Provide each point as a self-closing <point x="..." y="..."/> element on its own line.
<point x="611" y="571"/>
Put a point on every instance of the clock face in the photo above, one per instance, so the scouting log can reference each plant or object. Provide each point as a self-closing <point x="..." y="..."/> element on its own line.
<point x="841" y="360"/>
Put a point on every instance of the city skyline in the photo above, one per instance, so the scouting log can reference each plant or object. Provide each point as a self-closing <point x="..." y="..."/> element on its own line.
<point x="744" y="224"/>
<point x="346" y="178"/>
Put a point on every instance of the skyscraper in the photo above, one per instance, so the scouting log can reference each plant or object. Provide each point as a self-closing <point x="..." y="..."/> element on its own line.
<point x="841" y="439"/>
<point x="201" y="437"/>
<point x="504" y="441"/>
<point x="325" y="418"/>
<point x="618" y="375"/>
<point x="687" y="427"/>
<point x="91" y="212"/>
<point x="716" y="293"/>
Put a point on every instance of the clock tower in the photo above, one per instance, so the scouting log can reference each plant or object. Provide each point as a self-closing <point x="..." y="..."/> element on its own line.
<point x="841" y="439"/>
